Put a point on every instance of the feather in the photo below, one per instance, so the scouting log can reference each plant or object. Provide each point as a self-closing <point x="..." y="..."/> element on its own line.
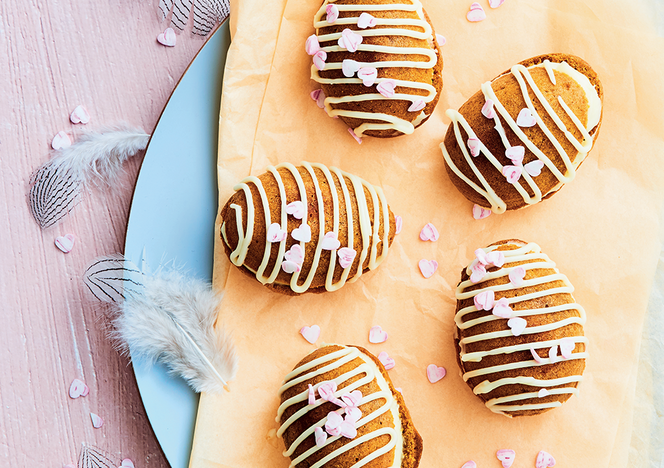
<point x="93" y="457"/>
<point x="206" y="14"/>
<point x="55" y="187"/>
<point x="167" y="317"/>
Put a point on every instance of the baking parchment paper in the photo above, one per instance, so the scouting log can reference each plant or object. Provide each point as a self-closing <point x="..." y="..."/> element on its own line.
<point x="603" y="230"/>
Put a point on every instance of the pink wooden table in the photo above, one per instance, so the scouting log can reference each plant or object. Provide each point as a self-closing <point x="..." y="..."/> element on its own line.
<point x="55" y="55"/>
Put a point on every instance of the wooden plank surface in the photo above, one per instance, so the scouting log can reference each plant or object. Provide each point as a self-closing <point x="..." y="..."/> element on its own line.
<point x="55" y="55"/>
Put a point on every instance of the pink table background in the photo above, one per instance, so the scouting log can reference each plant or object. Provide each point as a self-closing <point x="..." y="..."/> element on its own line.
<point x="55" y="55"/>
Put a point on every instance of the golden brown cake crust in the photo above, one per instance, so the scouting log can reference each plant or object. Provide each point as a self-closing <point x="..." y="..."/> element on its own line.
<point x="561" y="369"/>
<point x="508" y="91"/>
<point x="257" y="246"/>
<point x="412" y="442"/>
<point x="395" y="107"/>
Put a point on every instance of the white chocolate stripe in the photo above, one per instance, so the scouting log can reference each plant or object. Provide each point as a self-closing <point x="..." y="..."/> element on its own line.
<point x="390" y="122"/>
<point x="525" y="81"/>
<point x="368" y="368"/>
<point x="477" y="356"/>
<point x="517" y="365"/>
<point x="531" y="254"/>
<point x="528" y="396"/>
<point x="370" y="237"/>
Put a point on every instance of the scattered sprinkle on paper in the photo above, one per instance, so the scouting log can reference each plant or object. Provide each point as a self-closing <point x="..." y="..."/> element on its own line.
<point x="311" y="334"/>
<point x="65" y="243"/>
<point x="127" y="463"/>
<point x="506" y="457"/>
<point x="435" y="373"/>
<point x="386" y="360"/>
<point x="428" y="267"/>
<point x="78" y="389"/>
<point x="167" y="38"/>
<point x="97" y="422"/>
<point x="80" y="115"/>
<point x="480" y="213"/>
<point x="429" y="233"/>
<point x="357" y="138"/>
<point x="377" y="335"/>
<point x="476" y="13"/>
<point x="441" y="39"/>
<point x="399" y="222"/>
<point x="60" y="140"/>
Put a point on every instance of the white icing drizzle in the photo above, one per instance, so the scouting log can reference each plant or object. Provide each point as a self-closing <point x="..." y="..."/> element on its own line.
<point x="370" y="372"/>
<point x="526" y="82"/>
<point x="371" y="237"/>
<point x="535" y="259"/>
<point x="391" y="122"/>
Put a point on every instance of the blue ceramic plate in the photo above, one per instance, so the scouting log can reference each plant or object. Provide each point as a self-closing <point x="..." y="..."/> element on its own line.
<point x="172" y="220"/>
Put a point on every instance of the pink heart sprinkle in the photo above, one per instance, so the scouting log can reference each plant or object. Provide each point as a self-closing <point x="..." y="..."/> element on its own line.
<point x="536" y="356"/>
<point x="515" y="154"/>
<point x="349" y="67"/>
<point x="517" y="325"/>
<point x="332" y="13"/>
<point x="502" y="309"/>
<point x="311" y="333"/>
<point x="553" y="354"/>
<point x="346" y="256"/>
<point x="86" y="391"/>
<point x="386" y="360"/>
<point x="76" y="389"/>
<point x="517" y="275"/>
<point x="127" y="463"/>
<point x="525" y="118"/>
<point x="349" y="40"/>
<point x="319" y="60"/>
<point x="80" y="115"/>
<point x="295" y="254"/>
<point x="474" y="146"/>
<point x="357" y="138"/>
<point x="334" y="421"/>
<point x="487" y="109"/>
<point x="368" y="75"/>
<point x="399" y="223"/>
<point x="542" y="393"/>
<point x="348" y="429"/>
<point x="65" y="243"/>
<point x="567" y="345"/>
<point x="476" y="13"/>
<point x="429" y="233"/>
<point x="480" y="213"/>
<point x="399" y="389"/>
<point x="496" y="3"/>
<point x="97" y="422"/>
<point x="312" y="45"/>
<point x="544" y="460"/>
<point x="386" y="88"/>
<point x="428" y="267"/>
<point x="435" y="373"/>
<point x="167" y="38"/>
<point x="326" y="390"/>
<point x="417" y="106"/>
<point x="484" y="300"/>
<point x="60" y="140"/>
<point x="353" y="413"/>
<point x="290" y="267"/>
<point x="275" y="233"/>
<point x="319" y="96"/>
<point x="478" y="272"/>
<point x="480" y="255"/>
<point x="495" y="258"/>
<point x="377" y="335"/>
<point x="506" y="457"/>
<point x="321" y="437"/>
<point x="296" y="209"/>
<point x="469" y="464"/>
<point x="352" y="399"/>
<point x="441" y="39"/>
<point x="311" y="396"/>
<point x="330" y="241"/>
<point x="366" y="21"/>
<point x="302" y="233"/>
<point x="512" y="173"/>
<point x="534" y="168"/>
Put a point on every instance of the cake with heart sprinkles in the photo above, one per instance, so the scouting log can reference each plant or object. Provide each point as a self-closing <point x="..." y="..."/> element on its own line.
<point x="306" y="229"/>
<point x="339" y="410"/>
<point x="378" y="64"/>
<point x="519" y="332"/>
<point x="524" y="135"/>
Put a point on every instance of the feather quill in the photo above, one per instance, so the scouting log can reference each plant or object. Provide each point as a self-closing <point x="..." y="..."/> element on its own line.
<point x="167" y="317"/>
<point x="55" y="187"/>
<point x="206" y="14"/>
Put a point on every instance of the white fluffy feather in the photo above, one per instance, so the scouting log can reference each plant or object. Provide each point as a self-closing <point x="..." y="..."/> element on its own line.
<point x="167" y="317"/>
<point x="206" y="13"/>
<point x="55" y="187"/>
